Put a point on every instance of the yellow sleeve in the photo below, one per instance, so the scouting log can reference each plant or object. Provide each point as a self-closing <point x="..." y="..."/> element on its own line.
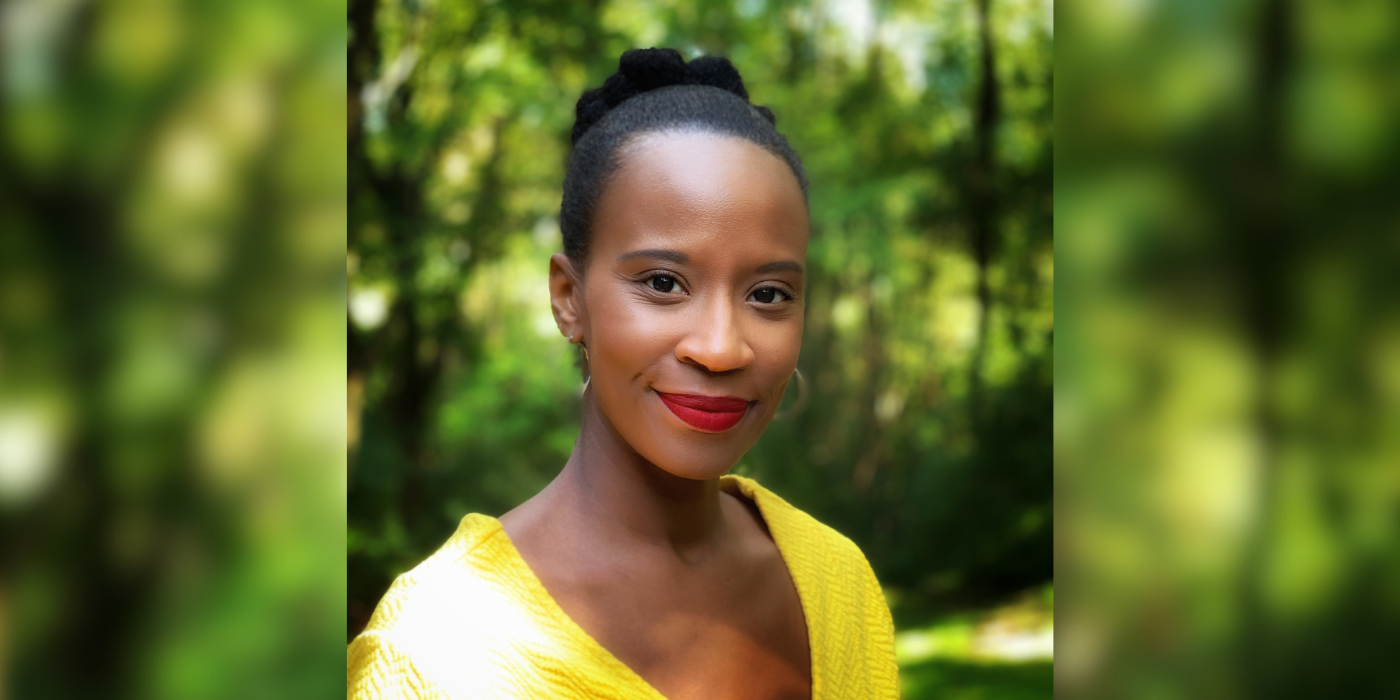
<point x="879" y="628"/>
<point x="378" y="670"/>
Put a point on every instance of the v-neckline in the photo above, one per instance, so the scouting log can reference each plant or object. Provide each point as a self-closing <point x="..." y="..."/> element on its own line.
<point x="555" y="611"/>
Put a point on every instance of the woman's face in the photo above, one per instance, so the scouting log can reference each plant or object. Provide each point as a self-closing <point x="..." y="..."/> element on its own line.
<point x="692" y="301"/>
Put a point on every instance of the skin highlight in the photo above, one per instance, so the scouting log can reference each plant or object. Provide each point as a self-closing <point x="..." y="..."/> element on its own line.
<point x="693" y="287"/>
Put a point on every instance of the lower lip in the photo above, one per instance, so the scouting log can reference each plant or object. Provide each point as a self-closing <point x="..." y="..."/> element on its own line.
<point x="711" y="421"/>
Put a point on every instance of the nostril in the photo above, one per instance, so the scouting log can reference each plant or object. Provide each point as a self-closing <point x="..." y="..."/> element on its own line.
<point x="718" y="347"/>
<point x="717" y="361"/>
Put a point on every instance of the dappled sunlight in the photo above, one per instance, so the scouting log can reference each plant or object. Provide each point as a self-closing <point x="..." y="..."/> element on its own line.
<point x="172" y="310"/>
<point x="1021" y="630"/>
<point x="1226" y="434"/>
<point x="928" y="348"/>
<point x="29" y="451"/>
<point x="1002" y="651"/>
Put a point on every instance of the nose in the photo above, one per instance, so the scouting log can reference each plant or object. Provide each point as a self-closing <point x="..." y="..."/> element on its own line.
<point x="715" y="341"/>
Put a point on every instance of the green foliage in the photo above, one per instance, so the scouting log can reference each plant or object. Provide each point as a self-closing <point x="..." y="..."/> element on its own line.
<point x="961" y="680"/>
<point x="172" y="211"/>
<point x="927" y="436"/>
<point x="1229" y="415"/>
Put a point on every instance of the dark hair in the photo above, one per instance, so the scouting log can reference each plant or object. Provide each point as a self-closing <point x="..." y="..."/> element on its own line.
<point x="656" y="90"/>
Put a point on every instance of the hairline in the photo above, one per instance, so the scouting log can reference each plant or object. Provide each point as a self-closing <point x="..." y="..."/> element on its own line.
<point x="630" y="145"/>
<point x="633" y="143"/>
<point x="613" y="122"/>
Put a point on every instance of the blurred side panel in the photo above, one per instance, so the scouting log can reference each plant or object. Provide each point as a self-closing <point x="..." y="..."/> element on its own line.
<point x="172" y="357"/>
<point x="1228" y="367"/>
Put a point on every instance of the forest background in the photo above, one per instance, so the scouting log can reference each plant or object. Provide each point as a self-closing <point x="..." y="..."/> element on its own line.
<point x="173" y="308"/>
<point x="926" y="129"/>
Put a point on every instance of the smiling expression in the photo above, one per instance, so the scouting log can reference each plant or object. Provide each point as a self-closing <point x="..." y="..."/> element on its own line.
<point x="691" y="302"/>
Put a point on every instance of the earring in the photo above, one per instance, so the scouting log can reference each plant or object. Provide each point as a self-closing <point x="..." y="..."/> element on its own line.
<point x="586" y="365"/>
<point x="801" y="401"/>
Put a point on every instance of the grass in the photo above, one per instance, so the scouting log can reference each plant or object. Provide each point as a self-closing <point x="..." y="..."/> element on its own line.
<point x="1003" y="652"/>
<point x="948" y="679"/>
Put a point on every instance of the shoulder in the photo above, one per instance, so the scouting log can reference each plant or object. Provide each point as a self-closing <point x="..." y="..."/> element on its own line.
<point x="460" y="565"/>
<point x="805" y="542"/>
<point x="849" y="624"/>
<point x="463" y="603"/>
<point x="377" y="668"/>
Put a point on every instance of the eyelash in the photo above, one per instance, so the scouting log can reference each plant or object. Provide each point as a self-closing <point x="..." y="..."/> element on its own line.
<point x="786" y="296"/>
<point x="650" y="278"/>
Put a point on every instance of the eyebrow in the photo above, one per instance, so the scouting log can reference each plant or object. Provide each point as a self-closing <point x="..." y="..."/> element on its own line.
<point x="674" y="256"/>
<point x="680" y="258"/>
<point x="780" y="266"/>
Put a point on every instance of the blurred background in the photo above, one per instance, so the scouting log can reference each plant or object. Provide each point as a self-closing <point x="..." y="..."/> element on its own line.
<point x="926" y="130"/>
<point x="172" y="291"/>
<point x="1227" y="388"/>
<point x="1226" y="397"/>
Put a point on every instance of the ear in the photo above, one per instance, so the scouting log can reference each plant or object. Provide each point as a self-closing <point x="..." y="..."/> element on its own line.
<point x="566" y="297"/>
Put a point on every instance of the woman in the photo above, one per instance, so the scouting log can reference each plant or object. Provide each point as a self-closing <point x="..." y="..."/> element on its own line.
<point x="641" y="571"/>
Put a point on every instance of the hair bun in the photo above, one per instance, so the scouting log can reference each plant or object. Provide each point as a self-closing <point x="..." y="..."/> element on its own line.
<point x="767" y="114"/>
<point x="618" y="89"/>
<point x="643" y="70"/>
<point x="715" y="71"/>
<point x="650" y="69"/>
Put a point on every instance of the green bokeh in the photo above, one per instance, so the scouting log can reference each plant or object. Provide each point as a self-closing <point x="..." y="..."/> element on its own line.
<point x="928" y="350"/>
<point x="1227" y="412"/>
<point x="172" y="216"/>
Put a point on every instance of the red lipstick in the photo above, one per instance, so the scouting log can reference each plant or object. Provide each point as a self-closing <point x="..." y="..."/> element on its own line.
<point x="712" y="413"/>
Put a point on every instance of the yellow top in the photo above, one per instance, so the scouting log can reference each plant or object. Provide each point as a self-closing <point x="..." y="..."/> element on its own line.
<point x="472" y="621"/>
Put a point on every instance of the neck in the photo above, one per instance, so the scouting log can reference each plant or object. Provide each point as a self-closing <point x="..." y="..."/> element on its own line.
<point x="614" y="492"/>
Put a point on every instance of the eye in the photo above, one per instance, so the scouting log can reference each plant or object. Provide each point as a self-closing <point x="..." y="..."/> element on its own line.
<point x="663" y="283"/>
<point x="769" y="295"/>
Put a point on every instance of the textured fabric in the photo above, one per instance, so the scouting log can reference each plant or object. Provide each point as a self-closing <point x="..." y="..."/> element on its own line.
<point x="472" y="621"/>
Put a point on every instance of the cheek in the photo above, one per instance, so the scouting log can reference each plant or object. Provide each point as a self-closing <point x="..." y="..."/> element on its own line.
<point x="776" y="348"/>
<point x="625" y="340"/>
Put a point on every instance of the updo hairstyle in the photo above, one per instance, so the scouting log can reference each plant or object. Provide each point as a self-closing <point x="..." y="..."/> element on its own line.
<point x="655" y="90"/>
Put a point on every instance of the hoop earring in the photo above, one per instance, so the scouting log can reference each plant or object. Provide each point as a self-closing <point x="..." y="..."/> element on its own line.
<point x="800" y="403"/>
<point x="587" y="364"/>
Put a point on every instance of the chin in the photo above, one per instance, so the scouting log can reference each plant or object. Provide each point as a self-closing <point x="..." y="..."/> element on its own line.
<point x="695" y="455"/>
<point x="696" y="469"/>
<point x="681" y="449"/>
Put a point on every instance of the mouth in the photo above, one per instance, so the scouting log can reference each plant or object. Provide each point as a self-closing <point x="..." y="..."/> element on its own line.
<point x="710" y="413"/>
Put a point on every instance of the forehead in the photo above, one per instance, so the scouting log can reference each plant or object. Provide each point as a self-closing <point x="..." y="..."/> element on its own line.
<point x="701" y="191"/>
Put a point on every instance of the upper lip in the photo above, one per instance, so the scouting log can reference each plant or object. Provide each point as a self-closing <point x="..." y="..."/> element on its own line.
<point x="701" y="402"/>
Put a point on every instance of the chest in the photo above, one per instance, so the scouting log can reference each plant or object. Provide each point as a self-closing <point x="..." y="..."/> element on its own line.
<point x="733" y="630"/>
